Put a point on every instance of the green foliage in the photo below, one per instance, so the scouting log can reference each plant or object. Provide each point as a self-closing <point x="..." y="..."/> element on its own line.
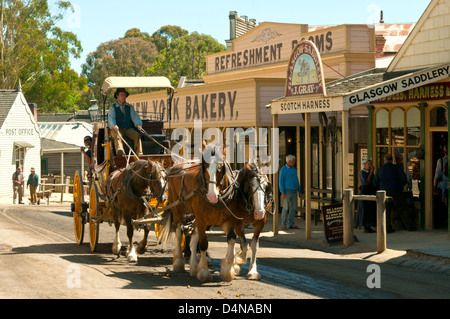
<point x="185" y="56"/>
<point x="34" y="50"/>
<point x="166" y="34"/>
<point x="129" y="56"/>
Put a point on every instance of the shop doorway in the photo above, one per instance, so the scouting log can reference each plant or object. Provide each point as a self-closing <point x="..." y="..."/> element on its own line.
<point x="439" y="160"/>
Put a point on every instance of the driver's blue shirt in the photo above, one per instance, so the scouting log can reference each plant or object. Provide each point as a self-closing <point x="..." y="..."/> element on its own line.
<point x="116" y="109"/>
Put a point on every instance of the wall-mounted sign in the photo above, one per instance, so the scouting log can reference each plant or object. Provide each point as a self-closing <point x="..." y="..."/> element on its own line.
<point x="429" y="92"/>
<point x="306" y="105"/>
<point x="400" y="84"/>
<point x="305" y="71"/>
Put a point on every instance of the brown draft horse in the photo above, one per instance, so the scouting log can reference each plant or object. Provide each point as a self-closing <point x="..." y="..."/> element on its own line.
<point x="125" y="188"/>
<point x="254" y="197"/>
<point x="204" y="180"/>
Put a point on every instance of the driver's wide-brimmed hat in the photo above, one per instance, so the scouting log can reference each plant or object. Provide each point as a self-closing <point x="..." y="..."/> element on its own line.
<point x="121" y="90"/>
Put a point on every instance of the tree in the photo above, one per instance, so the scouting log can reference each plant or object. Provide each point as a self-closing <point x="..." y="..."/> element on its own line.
<point x="166" y="34"/>
<point x="185" y="56"/>
<point x="129" y="56"/>
<point x="33" y="49"/>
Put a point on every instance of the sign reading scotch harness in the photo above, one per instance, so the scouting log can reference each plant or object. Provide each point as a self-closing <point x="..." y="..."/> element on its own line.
<point x="333" y="221"/>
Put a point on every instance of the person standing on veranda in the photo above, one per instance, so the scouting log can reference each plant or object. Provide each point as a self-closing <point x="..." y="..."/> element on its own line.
<point x="290" y="189"/>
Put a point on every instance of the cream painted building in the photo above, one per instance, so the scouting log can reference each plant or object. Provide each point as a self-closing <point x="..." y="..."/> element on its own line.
<point x="20" y="142"/>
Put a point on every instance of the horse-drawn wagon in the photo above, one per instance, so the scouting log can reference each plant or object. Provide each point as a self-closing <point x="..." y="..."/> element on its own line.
<point x="106" y="164"/>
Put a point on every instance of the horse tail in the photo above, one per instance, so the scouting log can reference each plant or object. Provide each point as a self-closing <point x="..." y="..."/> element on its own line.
<point x="167" y="229"/>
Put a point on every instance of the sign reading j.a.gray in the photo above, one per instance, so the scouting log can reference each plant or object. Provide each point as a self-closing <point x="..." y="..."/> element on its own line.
<point x="398" y="85"/>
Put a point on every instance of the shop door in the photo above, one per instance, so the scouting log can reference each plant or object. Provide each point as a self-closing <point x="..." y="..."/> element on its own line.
<point x="439" y="160"/>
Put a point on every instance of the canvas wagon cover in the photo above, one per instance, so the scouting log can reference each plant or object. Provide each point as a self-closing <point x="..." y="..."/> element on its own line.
<point x="136" y="82"/>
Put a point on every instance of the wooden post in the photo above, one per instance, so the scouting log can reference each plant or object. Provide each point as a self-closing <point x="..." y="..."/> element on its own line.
<point x="381" y="221"/>
<point x="62" y="176"/>
<point x="348" y="217"/>
<point x="308" y="175"/>
<point x="345" y="144"/>
<point x="276" y="203"/>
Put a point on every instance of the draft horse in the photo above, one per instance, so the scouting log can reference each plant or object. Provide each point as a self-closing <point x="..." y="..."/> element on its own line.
<point x="125" y="189"/>
<point x="255" y="197"/>
<point x="196" y="187"/>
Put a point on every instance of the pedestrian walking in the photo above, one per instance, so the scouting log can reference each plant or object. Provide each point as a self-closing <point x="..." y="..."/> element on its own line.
<point x="366" y="214"/>
<point x="17" y="179"/>
<point x="33" y="182"/>
<point x="392" y="179"/>
<point x="289" y="188"/>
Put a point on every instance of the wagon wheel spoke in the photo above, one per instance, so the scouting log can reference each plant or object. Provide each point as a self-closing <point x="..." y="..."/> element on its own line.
<point x="79" y="218"/>
<point x="94" y="225"/>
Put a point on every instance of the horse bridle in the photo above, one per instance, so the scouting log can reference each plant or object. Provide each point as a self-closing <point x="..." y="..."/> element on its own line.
<point x="268" y="197"/>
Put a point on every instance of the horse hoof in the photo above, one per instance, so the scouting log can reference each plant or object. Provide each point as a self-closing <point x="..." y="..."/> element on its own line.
<point x="132" y="258"/>
<point x="227" y="271"/>
<point x="141" y="250"/>
<point x="116" y="250"/>
<point x="240" y="261"/>
<point x="204" y="275"/>
<point x="253" y="276"/>
<point x="237" y="269"/>
<point x="178" y="267"/>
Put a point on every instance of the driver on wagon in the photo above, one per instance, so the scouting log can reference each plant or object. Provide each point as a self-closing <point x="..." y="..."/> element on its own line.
<point x="123" y="118"/>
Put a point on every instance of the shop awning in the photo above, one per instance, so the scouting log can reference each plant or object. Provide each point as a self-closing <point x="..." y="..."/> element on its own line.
<point x="23" y="144"/>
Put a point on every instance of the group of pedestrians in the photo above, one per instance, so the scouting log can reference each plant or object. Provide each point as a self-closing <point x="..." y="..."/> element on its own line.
<point x="18" y="184"/>
<point x="391" y="178"/>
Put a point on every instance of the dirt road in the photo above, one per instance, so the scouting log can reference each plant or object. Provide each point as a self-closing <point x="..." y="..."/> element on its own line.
<point x="40" y="259"/>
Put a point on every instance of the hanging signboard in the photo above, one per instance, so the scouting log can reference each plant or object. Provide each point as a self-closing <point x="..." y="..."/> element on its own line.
<point x="397" y="85"/>
<point x="305" y="71"/>
<point x="333" y="221"/>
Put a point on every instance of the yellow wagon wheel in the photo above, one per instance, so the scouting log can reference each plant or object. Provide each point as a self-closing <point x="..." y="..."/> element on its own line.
<point x="94" y="209"/>
<point x="79" y="218"/>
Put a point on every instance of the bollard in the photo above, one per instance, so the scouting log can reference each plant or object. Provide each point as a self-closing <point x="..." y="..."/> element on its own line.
<point x="348" y="217"/>
<point x="381" y="221"/>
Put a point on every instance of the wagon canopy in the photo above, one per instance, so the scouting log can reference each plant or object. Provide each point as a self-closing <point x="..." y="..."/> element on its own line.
<point x="115" y="82"/>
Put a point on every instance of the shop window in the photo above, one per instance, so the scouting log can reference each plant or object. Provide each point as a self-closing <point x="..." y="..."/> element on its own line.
<point x="19" y="156"/>
<point x="382" y="125"/>
<point x="413" y="127"/>
<point x="438" y="117"/>
<point x="398" y="134"/>
<point x="397" y="127"/>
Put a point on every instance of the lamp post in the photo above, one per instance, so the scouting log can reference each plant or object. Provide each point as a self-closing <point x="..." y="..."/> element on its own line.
<point x="93" y="109"/>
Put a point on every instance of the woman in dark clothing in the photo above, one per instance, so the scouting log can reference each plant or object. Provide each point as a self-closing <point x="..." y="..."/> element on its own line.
<point x="366" y="215"/>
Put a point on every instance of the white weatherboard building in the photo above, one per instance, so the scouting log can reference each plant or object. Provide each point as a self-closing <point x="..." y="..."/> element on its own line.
<point x="20" y="141"/>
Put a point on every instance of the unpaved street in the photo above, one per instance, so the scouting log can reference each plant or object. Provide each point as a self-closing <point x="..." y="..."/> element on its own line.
<point x="40" y="259"/>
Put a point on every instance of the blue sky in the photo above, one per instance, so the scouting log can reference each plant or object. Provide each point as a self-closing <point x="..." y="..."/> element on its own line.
<point x="97" y="21"/>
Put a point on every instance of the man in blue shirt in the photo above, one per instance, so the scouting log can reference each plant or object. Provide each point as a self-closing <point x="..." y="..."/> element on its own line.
<point x="123" y="118"/>
<point x="289" y="188"/>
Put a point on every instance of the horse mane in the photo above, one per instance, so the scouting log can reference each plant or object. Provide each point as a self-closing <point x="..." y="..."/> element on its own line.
<point x="132" y="175"/>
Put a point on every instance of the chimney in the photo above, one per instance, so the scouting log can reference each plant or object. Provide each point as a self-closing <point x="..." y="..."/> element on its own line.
<point x="33" y="109"/>
<point x="379" y="45"/>
<point x="381" y="17"/>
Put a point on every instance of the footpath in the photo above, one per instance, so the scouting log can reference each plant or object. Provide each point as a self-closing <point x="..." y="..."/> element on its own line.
<point x="421" y="249"/>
